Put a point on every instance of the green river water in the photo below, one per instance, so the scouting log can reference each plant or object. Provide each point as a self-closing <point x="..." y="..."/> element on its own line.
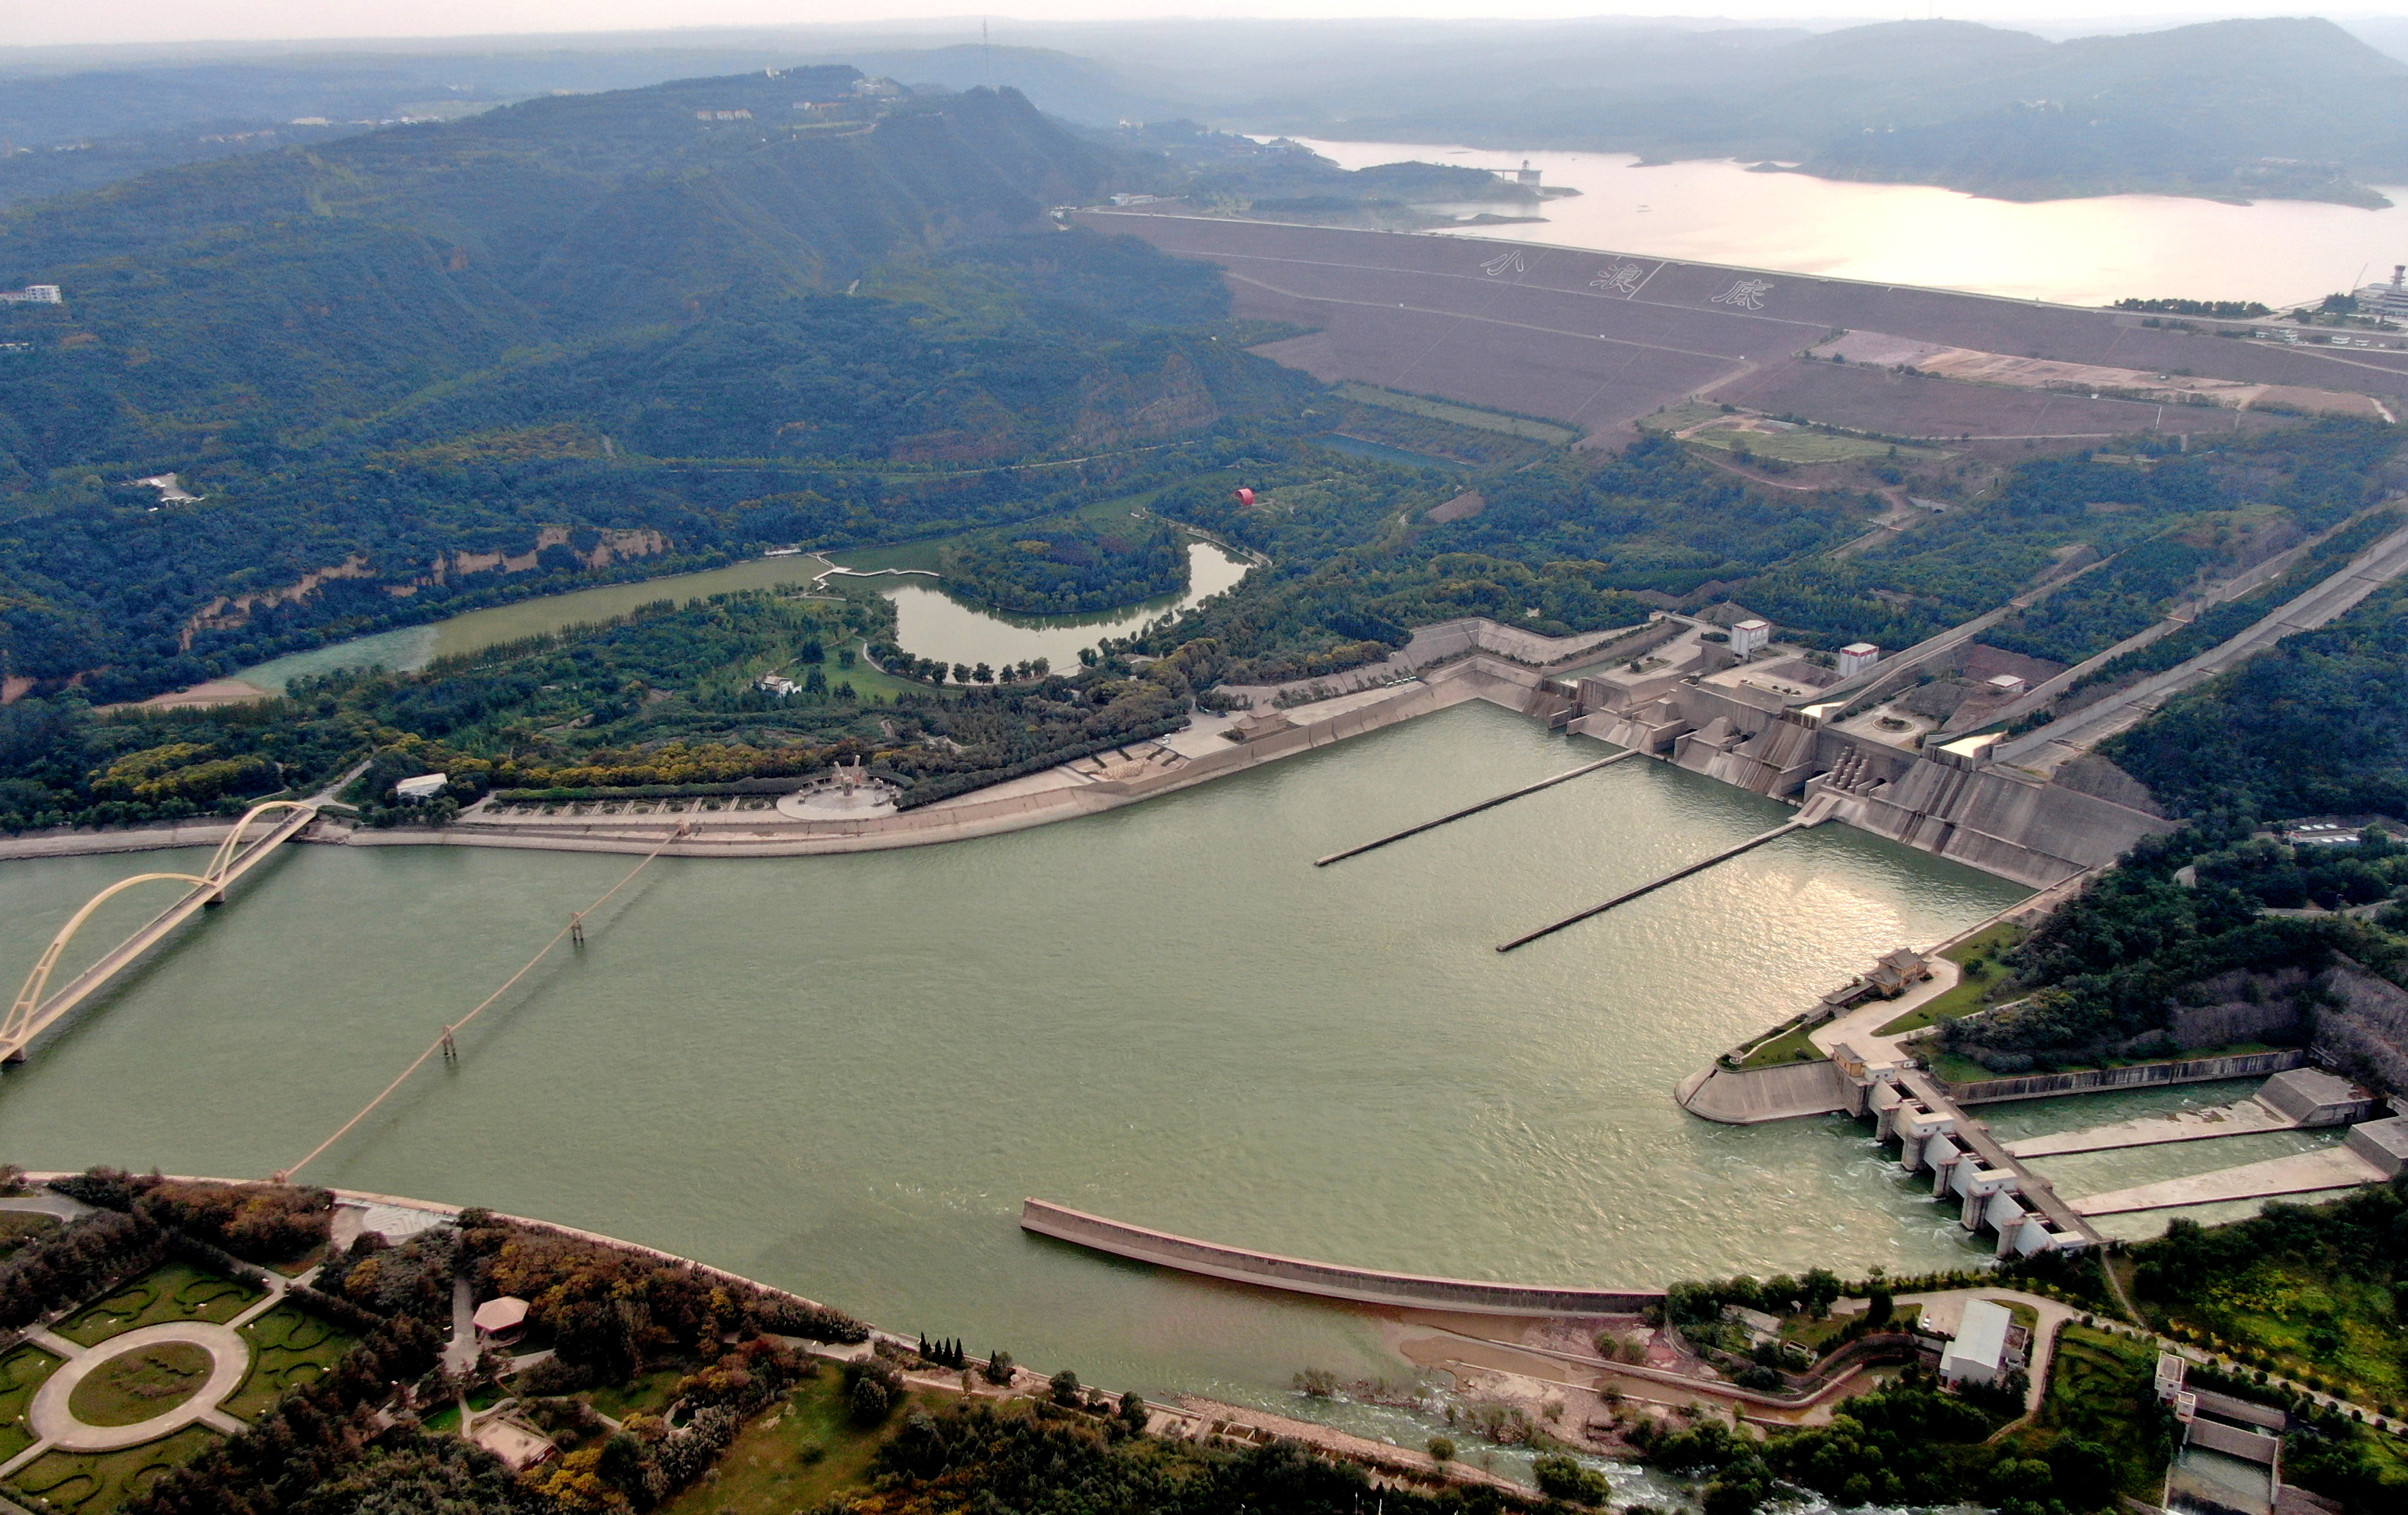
<point x="842" y="1074"/>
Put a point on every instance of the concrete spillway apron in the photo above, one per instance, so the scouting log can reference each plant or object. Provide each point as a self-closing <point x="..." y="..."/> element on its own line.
<point x="1653" y="884"/>
<point x="1473" y="809"/>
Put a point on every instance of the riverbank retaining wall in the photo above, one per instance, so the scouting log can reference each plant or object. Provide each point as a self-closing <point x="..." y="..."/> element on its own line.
<point x="2032" y="831"/>
<point x="2137" y="1076"/>
<point x="1327" y="1280"/>
<point x="1470" y="676"/>
<point x="1750" y="1096"/>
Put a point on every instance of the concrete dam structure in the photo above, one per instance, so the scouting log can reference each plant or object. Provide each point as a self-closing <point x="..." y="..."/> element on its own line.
<point x="1951" y="801"/>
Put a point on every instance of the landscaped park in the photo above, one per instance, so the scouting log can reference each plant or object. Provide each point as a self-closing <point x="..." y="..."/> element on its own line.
<point x="96" y="1408"/>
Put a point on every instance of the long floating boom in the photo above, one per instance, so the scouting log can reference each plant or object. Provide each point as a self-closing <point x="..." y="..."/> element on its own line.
<point x="1473" y="809"/>
<point x="1655" y="884"/>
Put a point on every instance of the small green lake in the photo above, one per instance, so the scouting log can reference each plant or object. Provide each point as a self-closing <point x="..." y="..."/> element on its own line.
<point x="931" y="623"/>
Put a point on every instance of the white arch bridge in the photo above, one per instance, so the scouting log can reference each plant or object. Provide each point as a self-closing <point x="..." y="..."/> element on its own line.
<point x="32" y="1013"/>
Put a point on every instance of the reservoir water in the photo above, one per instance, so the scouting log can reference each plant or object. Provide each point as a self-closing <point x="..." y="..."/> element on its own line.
<point x="929" y="622"/>
<point x="842" y="1074"/>
<point x="2090" y="251"/>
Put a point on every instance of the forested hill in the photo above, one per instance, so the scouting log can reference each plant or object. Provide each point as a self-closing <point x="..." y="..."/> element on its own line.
<point x="701" y="315"/>
<point x="296" y="288"/>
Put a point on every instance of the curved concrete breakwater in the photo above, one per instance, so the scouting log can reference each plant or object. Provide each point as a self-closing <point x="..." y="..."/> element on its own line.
<point x="1326" y="1280"/>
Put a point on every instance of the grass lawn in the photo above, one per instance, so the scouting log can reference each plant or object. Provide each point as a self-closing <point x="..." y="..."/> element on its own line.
<point x="1460" y="415"/>
<point x="446" y="1420"/>
<point x="22" y="1372"/>
<point x="1791" y="1046"/>
<point x="91" y="1484"/>
<point x="868" y="683"/>
<point x="170" y="1291"/>
<point x="2334" y="1327"/>
<point x="2102" y="1388"/>
<point x="792" y="1458"/>
<point x="1950" y="1068"/>
<point x="288" y="1348"/>
<point x="18" y="1227"/>
<point x="141" y="1385"/>
<point x="1804" y="446"/>
<point x="1680" y="417"/>
<point x="648" y="1395"/>
<point x="1971" y="994"/>
<point x="1817" y="1335"/>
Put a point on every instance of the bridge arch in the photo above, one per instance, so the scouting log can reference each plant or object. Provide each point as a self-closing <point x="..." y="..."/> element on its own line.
<point x="19" y="1024"/>
<point x="230" y="847"/>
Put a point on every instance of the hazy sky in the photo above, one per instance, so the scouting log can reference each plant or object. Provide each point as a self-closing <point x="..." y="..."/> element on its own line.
<point x="41" y="22"/>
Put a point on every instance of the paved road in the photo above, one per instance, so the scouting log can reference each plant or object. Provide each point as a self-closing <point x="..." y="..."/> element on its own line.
<point x="1946" y="1308"/>
<point x="460" y="1352"/>
<point x="1859" y="1027"/>
<point x="2324" y="603"/>
<point x="46" y="1203"/>
<point x="55" y="1425"/>
<point x="1946" y="641"/>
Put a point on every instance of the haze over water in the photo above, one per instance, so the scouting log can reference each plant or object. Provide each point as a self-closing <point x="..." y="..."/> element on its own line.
<point x="2090" y="251"/>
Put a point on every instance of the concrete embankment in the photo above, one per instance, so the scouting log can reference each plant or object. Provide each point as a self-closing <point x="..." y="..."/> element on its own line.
<point x="2247" y="1119"/>
<point x="2302" y="1173"/>
<point x="83" y="843"/>
<point x="1326" y="1280"/>
<point x="1466" y="672"/>
<point x="2137" y="1076"/>
<point x="1750" y="1096"/>
<point x="973" y="816"/>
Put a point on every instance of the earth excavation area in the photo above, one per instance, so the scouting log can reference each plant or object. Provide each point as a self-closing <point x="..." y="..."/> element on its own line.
<point x="95" y="1407"/>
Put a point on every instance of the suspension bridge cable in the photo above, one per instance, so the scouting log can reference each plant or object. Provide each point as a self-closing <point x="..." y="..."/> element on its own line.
<point x="575" y="927"/>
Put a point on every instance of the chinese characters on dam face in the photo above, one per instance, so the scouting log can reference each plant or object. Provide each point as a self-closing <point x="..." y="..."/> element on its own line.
<point x="1745" y="294"/>
<point x="1622" y="278"/>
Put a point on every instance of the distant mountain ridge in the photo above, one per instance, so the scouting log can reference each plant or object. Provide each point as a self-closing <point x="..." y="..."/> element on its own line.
<point x="2287" y="107"/>
<point x="329" y="283"/>
<point x="2291" y="107"/>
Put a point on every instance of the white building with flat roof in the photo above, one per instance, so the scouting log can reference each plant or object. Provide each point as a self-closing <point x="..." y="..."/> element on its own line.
<point x="1856" y="657"/>
<point x="1978" y="1351"/>
<point x="424" y="787"/>
<point x="1747" y="635"/>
